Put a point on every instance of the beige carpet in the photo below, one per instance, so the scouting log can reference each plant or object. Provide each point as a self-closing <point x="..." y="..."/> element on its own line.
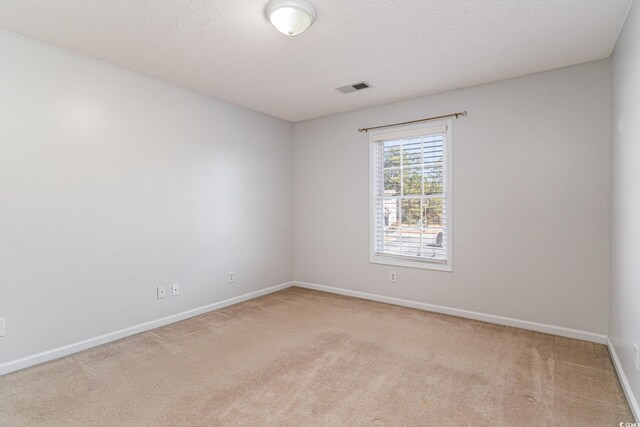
<point x="306" y="358"/>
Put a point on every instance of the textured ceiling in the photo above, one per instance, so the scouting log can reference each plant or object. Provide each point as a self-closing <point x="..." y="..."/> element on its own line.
<point x="403" y="48"/>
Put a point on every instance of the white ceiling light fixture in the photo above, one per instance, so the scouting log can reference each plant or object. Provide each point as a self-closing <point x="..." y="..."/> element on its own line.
<point x="291" y="17"/>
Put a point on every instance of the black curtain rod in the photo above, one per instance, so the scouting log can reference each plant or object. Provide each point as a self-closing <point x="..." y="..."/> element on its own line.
<point x="456" y="115"/>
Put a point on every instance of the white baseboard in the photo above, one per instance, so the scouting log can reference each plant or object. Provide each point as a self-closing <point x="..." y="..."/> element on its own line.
<point x="633" y="403"/>
<point x="56" y="353"/>
<point x="507" y="321"/>
<point x="132" y="330"/>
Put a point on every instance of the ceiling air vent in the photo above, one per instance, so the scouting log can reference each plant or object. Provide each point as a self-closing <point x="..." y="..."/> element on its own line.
<point x="354" y="87"/>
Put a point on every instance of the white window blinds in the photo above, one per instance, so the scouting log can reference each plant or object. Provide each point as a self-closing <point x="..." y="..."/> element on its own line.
<point x="410" y="194"/>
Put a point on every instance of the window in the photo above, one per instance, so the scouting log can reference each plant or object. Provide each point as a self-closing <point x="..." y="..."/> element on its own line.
<point x="411" y="196"/>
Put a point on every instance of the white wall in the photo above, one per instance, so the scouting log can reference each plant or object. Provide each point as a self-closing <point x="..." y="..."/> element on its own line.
<point x="531" y="211"/>
<point x="625" y="224"/>
<point x="113" y="183"/>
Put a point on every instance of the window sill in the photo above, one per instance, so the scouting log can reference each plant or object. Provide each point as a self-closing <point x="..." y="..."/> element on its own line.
<point x="399" y="262"/>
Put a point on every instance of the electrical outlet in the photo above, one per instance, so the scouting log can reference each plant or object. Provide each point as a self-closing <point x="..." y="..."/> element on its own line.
<point x="175" y="289"/>
<point x="636" y="356"/>
<point x="2" y="326"/>
<point x="392" y="277"/>
<point x="232" y="277"/>
<point x="162" y="291"/>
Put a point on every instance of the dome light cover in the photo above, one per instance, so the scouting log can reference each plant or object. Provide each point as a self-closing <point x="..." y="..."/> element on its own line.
<point x="291" y="17"/>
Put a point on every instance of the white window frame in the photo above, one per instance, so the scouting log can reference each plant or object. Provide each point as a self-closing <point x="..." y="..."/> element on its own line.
<point x="400" y="260"/>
